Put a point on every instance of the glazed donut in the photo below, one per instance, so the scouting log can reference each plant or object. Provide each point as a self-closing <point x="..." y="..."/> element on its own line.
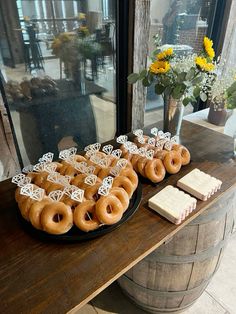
<point x="128" y="156"/>
<point x="79" y="179"/>
<point x="109" y="209"/>
<point x="24" y="205"/>
<point x="35" y="212"/>
<point x="141" y="165"/>
<point x="122" y="197"/>
<point x="91" y="191"/>
<point x="56" y="218"/>
<point x="104" y="172"/>
<point x="70" y="171"/>
<point x="67" y="200"/>
<point x="97" y="168"/>
<point x="184" y="153"/>
<point x="38" y="178"/>
<point x="64" y="166"/>
<point x="155" y="170"/>
<point x="84" y="216"/>
<point x="125" y="183"/>
<point x="172" y="162"/>
<point x="160" y="154"/>
<point x="131" y="175"/>
<point x="134" y="162"/>
<point x="79" y="158"/>
<point x="51" y="186"/>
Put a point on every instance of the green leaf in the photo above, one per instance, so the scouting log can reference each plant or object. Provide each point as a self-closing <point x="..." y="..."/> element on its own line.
<point x="197" y="80"/>
<point x="203" y="96"/>
<point x="142" y="74"/>
<point x="150" y="77"/>
<point x="196" y="91"/>
<point x="146" y="82"/>
<point x="181" y="77"/>
<point x="133" y="78"/>
<point x="159" y="89"/>
<point x="231" y="89"/>
<point x="186" y="101"/>
<point x="190" y="74"/>
<point x="178" y="91"/>
<point x="168" y="90"/>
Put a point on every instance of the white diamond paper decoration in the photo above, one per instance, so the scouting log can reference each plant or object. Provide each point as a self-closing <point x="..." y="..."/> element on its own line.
<point x="91" y="180"/>
<point x="38" y="194"/>
<point x="17" y="178"/>
<point x="107" y="181"/>
<point x="115" y="171"/>
<point x="141" y="140"/>
<point x="116" y="153"/>
<point x="122" y="139"/>
<point x="122" y="163"/>
<point x="68" y="190"/>
<point x="154" y="131"/>
<point x="78" y="195"/>
<point x="28" y="169"/>
<point x="168" y="145"/>
<point x="107" y="149"/>
<point x="138" y="132"/>
<point x="142" y="151"/>
<point x="27" y="189"/>
<point x="103" y="190"/>
<point x="152" y="141"/>
<point x="150" y="154"/>
<point x="56" y="195"/>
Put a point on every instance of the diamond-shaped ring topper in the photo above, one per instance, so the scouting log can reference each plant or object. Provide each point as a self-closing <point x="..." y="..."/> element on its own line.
<point x="152" y="141"/>
<point x="104" y="162"/>
<point x="95" y="159"/>
<point x="167" y="135"/>
<point x="122" y="163"/>
<point x="115" y="171"/>
<point x="89" y="170"/>
<point x="174" y="139"/>
<point x="90" y="153"/>
<point x="142" y="151"/>
<point x="28" y="169"/>
<point x="95" y="147"/>
<point x="56" y="195"/>
<point x="39" y="167"/>
<point x="107" y="181"/>
<point x="116" y="153"/>
<point x="21" y="180"/>
<point x="68" y="190"/>
<point x="133" y="149"/>
<point x="53" y="177"/>
<point x="48" y="157"/>
<point x="122" y="139"/>
<point x="38" y="194"/>
<point x="107" y="149"/>
<point x="91" y="179"/>
<point x="150" y="154"/>
<point x="64" y="154"/>
<point x="50" y="167"/>
<point x="27" y="190"/>
<point x="141" y="139"/>
<point x="64" y="180"/>
<point x="81" y="166"/>
<point x="161" y="134"/>
<point x="138" y="132"/>
<point x="103" y="190"/>
<point x="168" y="145"/>
<point x="78" y="195"/>
<point x="154" y="131"/>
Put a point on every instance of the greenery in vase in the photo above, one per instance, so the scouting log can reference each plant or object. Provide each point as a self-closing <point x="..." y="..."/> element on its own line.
<point x="179" y="77"/>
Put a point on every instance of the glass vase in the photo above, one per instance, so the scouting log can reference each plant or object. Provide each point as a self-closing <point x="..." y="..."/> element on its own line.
<point x="173" y="115"/>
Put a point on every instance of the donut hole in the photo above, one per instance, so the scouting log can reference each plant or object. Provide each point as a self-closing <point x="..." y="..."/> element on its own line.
<point x="87" y="216"/>
<point x="96" y="197"/>
<point x="109" y="209"/>
<point x="57" y="218"/>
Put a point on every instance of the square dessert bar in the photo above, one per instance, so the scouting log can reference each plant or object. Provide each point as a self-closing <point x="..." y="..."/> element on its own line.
<point x="172" y="204"/>
<point x="199" y="184"/>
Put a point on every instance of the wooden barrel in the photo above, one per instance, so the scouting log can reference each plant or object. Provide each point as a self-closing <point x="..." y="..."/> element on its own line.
<point x="173" y="277"/>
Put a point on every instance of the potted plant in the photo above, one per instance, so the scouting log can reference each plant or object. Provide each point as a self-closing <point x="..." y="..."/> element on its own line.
<point x="179" y="79"/>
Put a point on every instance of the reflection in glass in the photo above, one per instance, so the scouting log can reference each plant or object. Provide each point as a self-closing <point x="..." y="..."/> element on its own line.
<point x="62" y="88"/>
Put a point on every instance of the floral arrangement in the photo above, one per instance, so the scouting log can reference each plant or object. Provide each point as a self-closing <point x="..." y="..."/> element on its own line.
<point x="179" y="77"/>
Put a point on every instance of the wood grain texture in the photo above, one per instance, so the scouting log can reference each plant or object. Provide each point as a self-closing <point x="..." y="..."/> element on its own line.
<point x="38" y="277"/>
<point x="141" y="35"/>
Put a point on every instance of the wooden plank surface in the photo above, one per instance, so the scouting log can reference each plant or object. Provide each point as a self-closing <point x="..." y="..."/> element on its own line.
<point x="39" y="277"/>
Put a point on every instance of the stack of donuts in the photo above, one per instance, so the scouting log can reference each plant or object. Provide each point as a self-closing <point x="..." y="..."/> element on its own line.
<point x="166" y="156"/>
<point x="94" y="209"/>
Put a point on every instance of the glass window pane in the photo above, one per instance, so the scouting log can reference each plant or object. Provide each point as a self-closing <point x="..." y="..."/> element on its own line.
<point x="181" y="24"/>
<point x="61" y="90"/>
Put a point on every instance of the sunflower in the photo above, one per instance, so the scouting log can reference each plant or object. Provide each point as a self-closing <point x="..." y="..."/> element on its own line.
<point x="164" y="54"/>
<point x="203" y="64"/>
<point x="207" y="43"/>
<point x="159" y="67"/>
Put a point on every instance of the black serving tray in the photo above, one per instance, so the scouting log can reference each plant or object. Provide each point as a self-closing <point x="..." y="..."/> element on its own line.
<point x="75" y="234"/>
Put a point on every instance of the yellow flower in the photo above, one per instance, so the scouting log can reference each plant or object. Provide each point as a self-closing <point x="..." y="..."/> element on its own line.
<point x="159" y="67"/>
<point x="164" y="54"/>
<point x="208" y="47"/>
<point x="81" y="16"/>
<point x="203" y="64"/>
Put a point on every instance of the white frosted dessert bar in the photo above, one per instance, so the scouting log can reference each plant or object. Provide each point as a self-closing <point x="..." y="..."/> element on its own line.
<point x="199" y="184"/>
<point x="172" y="204"/>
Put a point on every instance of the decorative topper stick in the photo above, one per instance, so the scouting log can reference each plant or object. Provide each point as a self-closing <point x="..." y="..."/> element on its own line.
<point x="91" y="179"/>
<point x="138" y="132"/>
<point x="154" y="131"/>
<point x="56" y="195"/>
<point x="78" y="195"/>
<point x="152" y="141"/>
<point x="107" y="149"/>
<point x="116" y="153"/>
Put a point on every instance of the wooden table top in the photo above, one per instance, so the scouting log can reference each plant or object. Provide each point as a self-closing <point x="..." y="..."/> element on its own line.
<point x="39" y="277"/>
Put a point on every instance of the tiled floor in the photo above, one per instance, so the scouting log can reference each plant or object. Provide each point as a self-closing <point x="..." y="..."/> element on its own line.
<point x="219" y="297"/>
